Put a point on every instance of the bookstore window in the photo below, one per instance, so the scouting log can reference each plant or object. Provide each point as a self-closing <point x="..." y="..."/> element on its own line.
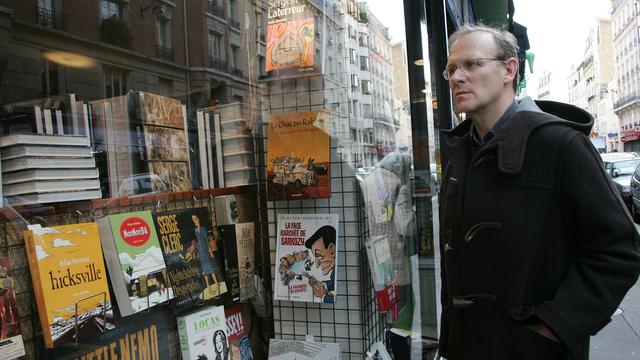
<point x="206" y="158"/>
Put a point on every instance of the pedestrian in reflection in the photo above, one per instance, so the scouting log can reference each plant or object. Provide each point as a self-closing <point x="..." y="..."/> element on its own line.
<point x="537" y="247"/>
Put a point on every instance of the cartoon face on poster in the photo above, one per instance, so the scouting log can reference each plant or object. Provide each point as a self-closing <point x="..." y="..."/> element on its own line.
<point x="307" y="257"/>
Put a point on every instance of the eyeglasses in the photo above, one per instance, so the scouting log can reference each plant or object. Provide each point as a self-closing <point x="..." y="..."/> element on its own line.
<point x="467" y="66"/>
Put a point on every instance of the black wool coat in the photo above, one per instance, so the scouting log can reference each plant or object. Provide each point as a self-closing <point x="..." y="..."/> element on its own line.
<point x="532" y="230"/>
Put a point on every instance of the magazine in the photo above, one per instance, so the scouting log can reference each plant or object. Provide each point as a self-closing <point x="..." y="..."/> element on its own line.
<point x="307" y="257"/>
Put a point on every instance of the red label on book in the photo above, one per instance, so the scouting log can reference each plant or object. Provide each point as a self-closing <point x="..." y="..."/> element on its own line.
<point x="135" y="231"/>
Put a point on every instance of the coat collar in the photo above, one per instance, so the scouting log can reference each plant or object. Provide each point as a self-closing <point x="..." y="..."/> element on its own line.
<point x="511" y="140"/>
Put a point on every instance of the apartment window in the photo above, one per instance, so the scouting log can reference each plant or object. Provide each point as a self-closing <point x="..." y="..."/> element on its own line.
<point x="364" y="63"/>
<point x="233" y="14"/>
<point x="166" y="87"/>
<point x="115" y="82"/>
<point x="366" y="86"/>
<point x="110" y="9"/>
<point x="354" y="81"/>
<point x="52" y="78"/>
<point x="355" y="107"/>
<point x="366" y="110"/>
<point x="353" y="56"/>
<point x="262" y="65"/>
<point x="235" y="60"/>
<point x="50" y="14"/>
<point x="163" y="39"/>
<point x="216" y="51"/>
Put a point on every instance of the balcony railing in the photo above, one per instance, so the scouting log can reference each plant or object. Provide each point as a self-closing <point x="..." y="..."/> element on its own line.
<point x="218" y="64"/>
<point x="626" y="100"/>
<point x="50" y="18"/>
<point x="164" y="53"/>
<point x="236" y="72"/>
<point x="216" y="10"/>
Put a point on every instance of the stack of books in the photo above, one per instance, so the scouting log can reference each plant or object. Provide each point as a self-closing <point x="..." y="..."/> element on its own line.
<point x="50" y="159"/>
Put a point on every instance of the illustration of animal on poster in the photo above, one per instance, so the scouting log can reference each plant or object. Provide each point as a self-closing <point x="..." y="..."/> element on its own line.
<point x="298" y="165"/>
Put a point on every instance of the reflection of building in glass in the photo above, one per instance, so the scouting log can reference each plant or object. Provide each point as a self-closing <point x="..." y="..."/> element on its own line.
<point x="385" y="125"/>
<point x="624" y="24"/>
<point x="166" y="48"/>
<point x="588" y="84"/>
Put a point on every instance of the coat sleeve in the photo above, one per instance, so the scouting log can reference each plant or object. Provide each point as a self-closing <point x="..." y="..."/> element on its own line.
<point x="604" y="243"/>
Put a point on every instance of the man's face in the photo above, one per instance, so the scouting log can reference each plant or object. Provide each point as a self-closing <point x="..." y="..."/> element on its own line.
<point x="196" y="220"/>
<point x="325" y="257"/>
<point x="478" y="89"/>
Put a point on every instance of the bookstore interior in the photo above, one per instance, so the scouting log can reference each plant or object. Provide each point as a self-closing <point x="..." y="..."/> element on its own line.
<point x="215" y="179"/>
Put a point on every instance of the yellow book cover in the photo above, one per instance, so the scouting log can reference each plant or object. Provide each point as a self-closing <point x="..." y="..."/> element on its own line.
<point x="69" y="281"/>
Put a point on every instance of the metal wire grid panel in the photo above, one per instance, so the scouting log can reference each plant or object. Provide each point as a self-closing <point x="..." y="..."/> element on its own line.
<point x="353" y="321"/>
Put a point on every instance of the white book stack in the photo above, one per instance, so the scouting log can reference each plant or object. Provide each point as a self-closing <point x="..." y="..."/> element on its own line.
<point x="225" y="133"/>
<point x="53" y="164"/>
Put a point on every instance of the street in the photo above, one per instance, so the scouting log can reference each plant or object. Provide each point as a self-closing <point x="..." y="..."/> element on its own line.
<point x="620" y="339"/>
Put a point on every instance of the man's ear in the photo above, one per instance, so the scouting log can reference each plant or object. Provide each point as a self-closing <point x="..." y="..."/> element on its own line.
<point x="332" y="249"/>
<point x="511" y="64"/>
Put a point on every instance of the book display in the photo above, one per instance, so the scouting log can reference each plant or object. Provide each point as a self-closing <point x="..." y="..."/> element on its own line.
<point x="134" y="258"/>
<point x="307" y="255"/>
<point x="53" y="137"/>
<point x="69" y="281"/>
<point x="11" y="344"/>
<point x="203" y="334"/>
<point x="142" y="135"/>
<point x="225" y="139"/>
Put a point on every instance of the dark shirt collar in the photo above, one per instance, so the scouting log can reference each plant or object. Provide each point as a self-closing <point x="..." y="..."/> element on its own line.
<point x="503" y="120"/>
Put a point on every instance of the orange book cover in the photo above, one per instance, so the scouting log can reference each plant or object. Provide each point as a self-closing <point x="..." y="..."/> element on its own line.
<point x="298" y="164"/>
<point x="69" y="281"/>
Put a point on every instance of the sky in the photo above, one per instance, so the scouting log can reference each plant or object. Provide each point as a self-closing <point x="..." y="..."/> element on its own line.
<point x="557" y="31"/>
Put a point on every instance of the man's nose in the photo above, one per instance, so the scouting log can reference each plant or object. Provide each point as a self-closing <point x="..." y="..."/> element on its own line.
<point x="457" y="71"/>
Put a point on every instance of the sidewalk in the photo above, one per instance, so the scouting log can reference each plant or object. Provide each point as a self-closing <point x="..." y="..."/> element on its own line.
<point x="620" y="338"/>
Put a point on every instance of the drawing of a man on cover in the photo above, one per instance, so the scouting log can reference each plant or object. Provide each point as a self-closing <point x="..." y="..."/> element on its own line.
<point x="323" y="246"/>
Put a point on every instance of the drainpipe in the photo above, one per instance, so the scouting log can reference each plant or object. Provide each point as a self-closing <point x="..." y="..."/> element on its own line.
<point x="186" y="51"/>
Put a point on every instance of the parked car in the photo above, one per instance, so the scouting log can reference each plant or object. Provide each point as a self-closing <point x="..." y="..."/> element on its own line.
<point x="634" y="189"/>
<point x="620" y="167"/>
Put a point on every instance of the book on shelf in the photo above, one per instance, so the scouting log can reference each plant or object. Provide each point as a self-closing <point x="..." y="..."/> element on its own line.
<point x="48" y="174"/>
<point x="69" y="281"/>
<point x="45" y="198"/>
<point x="11" y="343"/>
<point x="302" y="350"/>
<point x="45" y="151"/>
<point x="238" y="243"/>
<point x="134" y="258"/>
<point x="45" y="186"/>
<point x="46" y="163"/>
<point x="142" y="132"/>
<point x="306" y="258"/>
<point x="239" y="342"/>
<point x="203" y="334"/>
<point x="182" y="246"/>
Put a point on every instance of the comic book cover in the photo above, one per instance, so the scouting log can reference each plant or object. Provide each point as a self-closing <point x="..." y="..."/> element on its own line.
<point x="239" y="342"/>
<point x="298" y="164"/>
<point x="11" y="344"/>
<point x="307" y="258"/>
<point x="291" y="39"/>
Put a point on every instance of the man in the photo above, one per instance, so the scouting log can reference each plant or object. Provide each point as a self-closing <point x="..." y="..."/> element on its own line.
<point x="537" y="248"/>
<point x="323" y="247"/>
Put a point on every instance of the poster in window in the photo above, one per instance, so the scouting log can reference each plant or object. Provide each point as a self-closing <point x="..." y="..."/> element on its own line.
<point x="298" y="165"/>
<point x="291" y="38"/>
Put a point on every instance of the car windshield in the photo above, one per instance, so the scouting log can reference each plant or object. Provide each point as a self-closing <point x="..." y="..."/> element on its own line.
<point x="627" y="167"/>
